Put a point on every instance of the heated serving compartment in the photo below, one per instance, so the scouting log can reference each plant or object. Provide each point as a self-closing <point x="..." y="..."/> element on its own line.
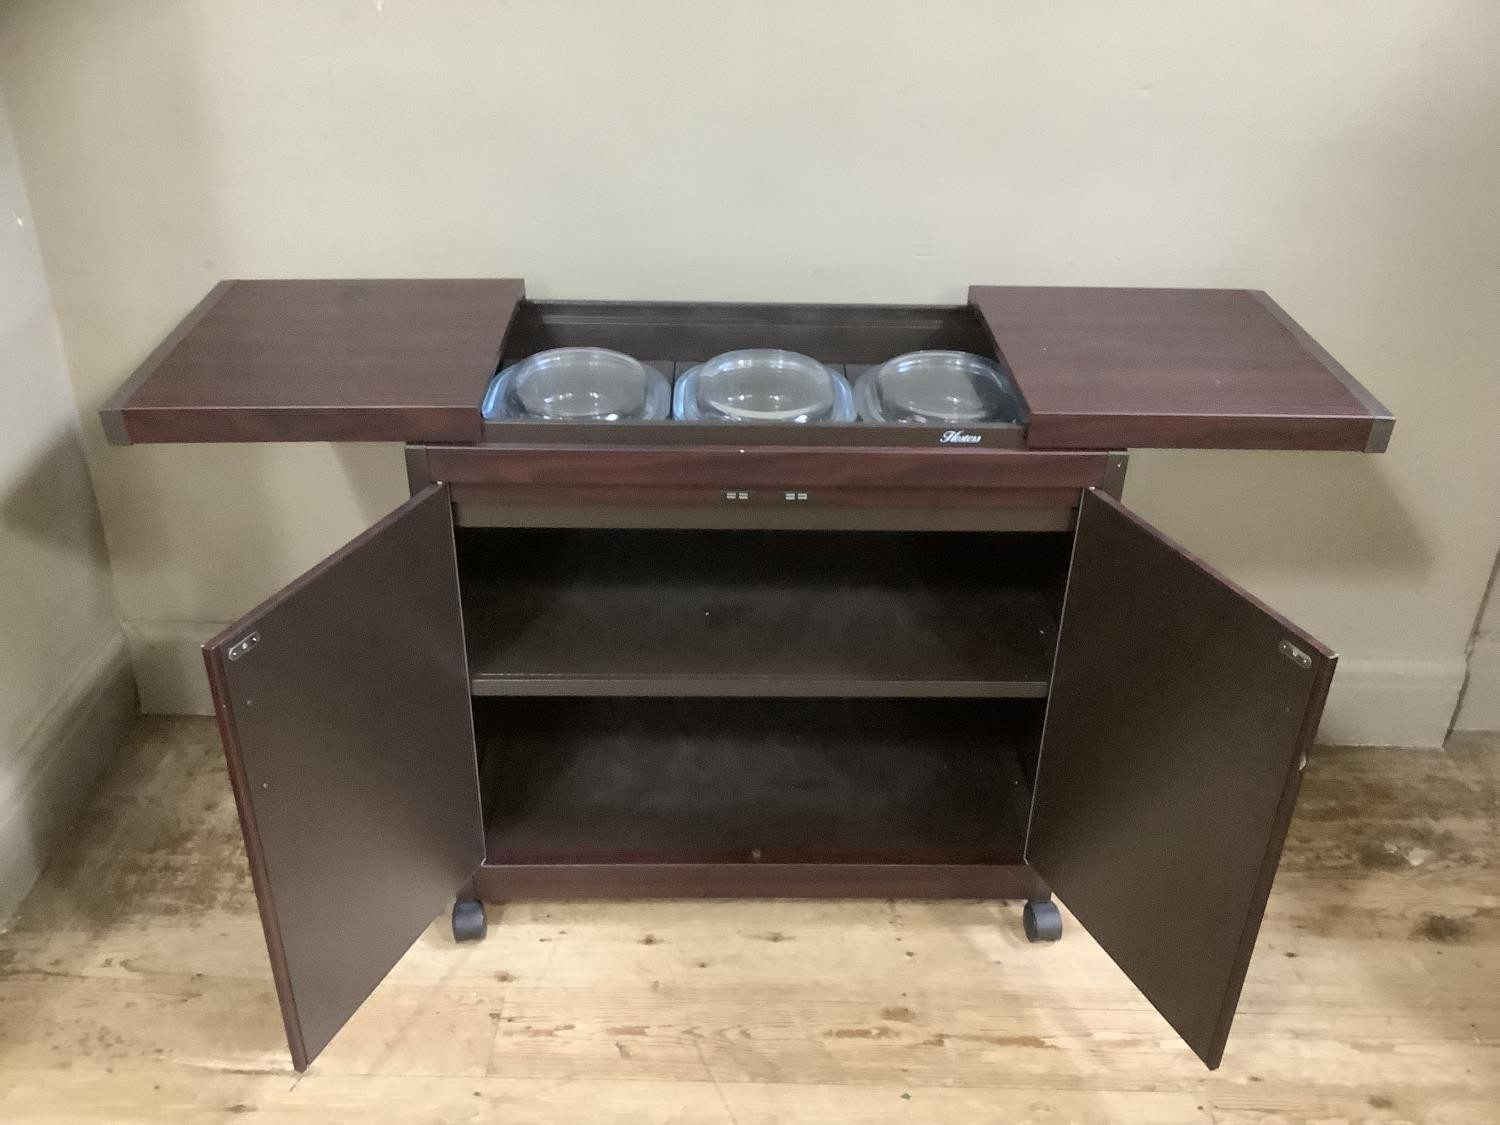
<point x="789" y="342"/>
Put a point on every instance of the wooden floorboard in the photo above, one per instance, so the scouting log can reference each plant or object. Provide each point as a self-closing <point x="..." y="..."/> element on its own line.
<point x="134" y="986"/>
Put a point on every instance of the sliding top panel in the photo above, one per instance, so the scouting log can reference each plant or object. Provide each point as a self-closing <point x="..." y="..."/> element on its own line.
<point x="1174" y="368"/>
<point x="311" y="360"/>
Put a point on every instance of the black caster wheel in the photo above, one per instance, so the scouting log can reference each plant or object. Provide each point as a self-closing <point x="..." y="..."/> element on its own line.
<point x="1042" y="921"/>
<point x="468" y="920"/>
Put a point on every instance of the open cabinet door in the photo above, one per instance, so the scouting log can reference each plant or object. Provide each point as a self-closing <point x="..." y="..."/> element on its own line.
<point x="344" y="707"/>
<point x="1180" y="714"/>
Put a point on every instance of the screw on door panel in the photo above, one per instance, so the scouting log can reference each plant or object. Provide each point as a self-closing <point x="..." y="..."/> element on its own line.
<point x="243" y="645"/>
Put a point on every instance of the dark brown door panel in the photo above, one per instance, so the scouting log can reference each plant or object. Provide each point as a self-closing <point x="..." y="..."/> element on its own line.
<point x="344" y="707"/>
<point x="1180" y="712"/>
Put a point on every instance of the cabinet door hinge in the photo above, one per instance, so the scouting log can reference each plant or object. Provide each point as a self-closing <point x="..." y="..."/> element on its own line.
<point x="243" y="645"/>
<point x="1294" y="654"/>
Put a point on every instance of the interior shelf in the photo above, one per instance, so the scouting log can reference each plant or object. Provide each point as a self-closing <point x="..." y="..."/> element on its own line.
<point x="752" y="613"/>
<point x="600" y="781"/>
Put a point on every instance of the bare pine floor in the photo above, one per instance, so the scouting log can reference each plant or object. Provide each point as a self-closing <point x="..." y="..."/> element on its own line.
<point x="134" y="986"/>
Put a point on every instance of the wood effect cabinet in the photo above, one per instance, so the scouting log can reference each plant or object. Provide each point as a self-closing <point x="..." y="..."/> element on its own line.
<point x="675" y="659"/>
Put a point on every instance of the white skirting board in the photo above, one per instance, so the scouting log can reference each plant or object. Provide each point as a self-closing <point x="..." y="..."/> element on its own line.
<point x="1373" y="702"/>
<point x="1480" y="709"/>
<point x="44" y="786"/>
<point x="168" y="660"/>
<point x="1392" y="702"/>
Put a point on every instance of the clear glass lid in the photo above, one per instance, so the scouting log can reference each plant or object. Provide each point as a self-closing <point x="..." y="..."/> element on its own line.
<point x="937" y="388"/>
<point x="579" y="385"/>
<point x="763" y="385"/>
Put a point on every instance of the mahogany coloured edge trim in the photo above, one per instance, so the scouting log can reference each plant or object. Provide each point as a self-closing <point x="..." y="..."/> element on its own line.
<point x="1383" y="421"/>
<point x="773" y="467"/>
<point x="111" y="414"/>
<point x="768" y="497"/>
<point x="213" y="659"/>
<point x="987" y="510"/>
<point x="502" y="882"/>
<point x="1261" y="895"/>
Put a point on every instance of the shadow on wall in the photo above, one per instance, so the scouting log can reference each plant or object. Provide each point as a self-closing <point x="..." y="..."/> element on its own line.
<point x="1358" y="523"/>
<point x="51" y="503"/>
<point x="1376" y="255"/>
<point x="117" y="303"/>
<point x="199" y="534"/>
<point x="67" y="693"/>
<point x="1369" y="253"/>
<point x="211" y="531"/>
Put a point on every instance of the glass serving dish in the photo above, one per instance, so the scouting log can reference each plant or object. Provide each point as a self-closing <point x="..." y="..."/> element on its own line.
<point x="579" y="385"/>
<point x="937" y="388"/>
<point x="762" y="385"/>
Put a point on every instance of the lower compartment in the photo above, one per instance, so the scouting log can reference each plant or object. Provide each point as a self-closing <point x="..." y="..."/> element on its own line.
<point x="754" y="796"/>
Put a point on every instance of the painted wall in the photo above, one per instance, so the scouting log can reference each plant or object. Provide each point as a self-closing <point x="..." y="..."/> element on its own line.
<point x="60" y="639"/>
<point x="1342" y="155"/>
